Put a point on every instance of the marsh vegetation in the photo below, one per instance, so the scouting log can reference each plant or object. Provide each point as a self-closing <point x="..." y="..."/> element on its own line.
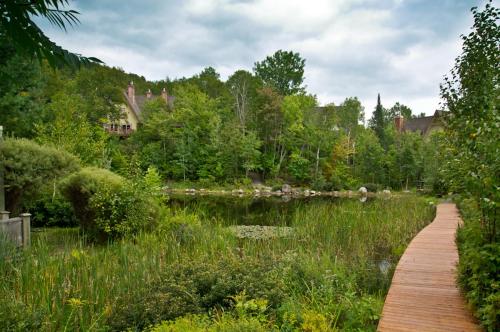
<point x="193" y="273"/>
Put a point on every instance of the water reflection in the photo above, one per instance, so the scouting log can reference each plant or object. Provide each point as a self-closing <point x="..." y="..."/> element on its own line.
<point x="248" y="210"/>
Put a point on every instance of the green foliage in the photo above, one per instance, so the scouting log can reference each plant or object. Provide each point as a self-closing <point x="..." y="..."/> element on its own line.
<point x="15" y="316"/>
<point x="52" y="210"/>
<point x="378" y="121"/>
<point x="153" y="181"/>
<point x="351" y="114"/>
<point x="107" y="205"/>
<point x="371" y="187"/>
<point x="478" y="267"/>
<point x="284" y="71"/>
<point x="249" y="315"/>
<point x="20" y="91"/>
<point x="70" y="130"/>
<point x="17" y="24"/>
<point x="472" y="96"/>
<point x="196" y="286"/>
<point x="369" y="159"/>
<point x="435" y="154"/>
<point x="298" y="167"/>
<point x="30" y="168"/>
<point x="399" y="110"/>
<point x="243" y="87"/>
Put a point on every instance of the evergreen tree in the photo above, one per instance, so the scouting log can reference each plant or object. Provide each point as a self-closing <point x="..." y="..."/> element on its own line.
<point x="378" y="122"/>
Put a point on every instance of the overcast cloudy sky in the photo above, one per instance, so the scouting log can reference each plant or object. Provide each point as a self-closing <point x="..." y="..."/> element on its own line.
<point x="400" y="48"/>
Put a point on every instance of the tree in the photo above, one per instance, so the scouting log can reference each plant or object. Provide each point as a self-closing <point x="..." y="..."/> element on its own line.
<point x="270" y="127"/>
<point x="370" y="158"/>
<point x="70" y="130"/>
<point x="209" y="82"/>
<point x="16" y="24"/>
<point x="435" y="154"/>
<point x="350" y="114"/>
<point x="407" y="163"/>
<point x="472" y="96"/>
<point x="20" y="91"/>
<point x="284" y="71"/>
<point x="243" y="87"/>
<point x="399" y="109"/>
<point x="378" y="121"/>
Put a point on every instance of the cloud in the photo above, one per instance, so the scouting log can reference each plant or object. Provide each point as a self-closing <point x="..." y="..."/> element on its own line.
<point x="399" y="48"/>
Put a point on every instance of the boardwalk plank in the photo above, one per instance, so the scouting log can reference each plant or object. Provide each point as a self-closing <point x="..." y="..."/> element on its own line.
<point x="423" y="295"/>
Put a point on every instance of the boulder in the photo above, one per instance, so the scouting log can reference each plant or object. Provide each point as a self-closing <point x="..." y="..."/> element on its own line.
<point x="386" y="191"/>
<point x="286" y="189"/>
<point x="238" y="191"/>
<point x="363" y="191"/>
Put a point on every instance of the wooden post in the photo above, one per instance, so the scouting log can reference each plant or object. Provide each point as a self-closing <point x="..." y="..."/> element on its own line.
<point x="4" y="215"/>
<point x="26" y="218"/>
<point x="2" y="187"/>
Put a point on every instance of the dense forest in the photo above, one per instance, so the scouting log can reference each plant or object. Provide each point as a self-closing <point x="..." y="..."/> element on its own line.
<point x="261" y="123"/>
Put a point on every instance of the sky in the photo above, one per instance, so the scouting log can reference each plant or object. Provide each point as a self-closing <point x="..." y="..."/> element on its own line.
<point x="398" y="48"/>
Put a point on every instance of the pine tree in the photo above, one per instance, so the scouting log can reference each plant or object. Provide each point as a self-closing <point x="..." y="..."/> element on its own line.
<point x="377" y="122"/>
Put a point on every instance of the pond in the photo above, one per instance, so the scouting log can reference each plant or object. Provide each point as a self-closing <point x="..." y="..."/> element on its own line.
<point x="248" y="210"/>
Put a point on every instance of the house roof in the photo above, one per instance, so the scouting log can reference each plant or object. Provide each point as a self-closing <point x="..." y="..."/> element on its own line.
<point x="136" y="107"/>
<point x="423" y="124"/>
<point x="418" y="124"/>
<point x="140" y="100"/>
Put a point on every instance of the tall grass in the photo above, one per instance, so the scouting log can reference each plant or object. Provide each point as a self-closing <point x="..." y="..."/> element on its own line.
<point x="73" y="286"/>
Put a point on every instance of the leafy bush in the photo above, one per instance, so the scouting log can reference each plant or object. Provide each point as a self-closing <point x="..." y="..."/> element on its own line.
<point x="248" y="315"/>
<point x="107" y="205"/>
<point x="319" y="183"/>
<point x="181" y="226"/>
<point x="478" y="269"/>
<point x="52" y="211"/>
<point x="197" y="286"/>
<point x="29" y="167"/>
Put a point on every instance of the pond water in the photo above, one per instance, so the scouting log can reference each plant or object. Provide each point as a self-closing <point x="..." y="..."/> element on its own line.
<point x="248" y="210"/>
<point x="257" y="217"/>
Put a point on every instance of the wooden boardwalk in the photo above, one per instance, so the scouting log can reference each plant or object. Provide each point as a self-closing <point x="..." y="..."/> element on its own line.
<point x="423" y="295"/>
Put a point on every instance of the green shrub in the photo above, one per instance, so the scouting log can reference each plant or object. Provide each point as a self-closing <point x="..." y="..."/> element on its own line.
<point x="29" y="168"/>
<point x="107" y="205"/>
<point x="197" y="286"/>
<point x="319" y="183"/>
<point x="182" y="226"/>
<point x="479" y="274"/>
<point x="52" y="211"/>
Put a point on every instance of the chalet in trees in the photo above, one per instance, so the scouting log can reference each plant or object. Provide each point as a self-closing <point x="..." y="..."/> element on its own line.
<point x="422" y="125"/>
<point x="131" y="111"/>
